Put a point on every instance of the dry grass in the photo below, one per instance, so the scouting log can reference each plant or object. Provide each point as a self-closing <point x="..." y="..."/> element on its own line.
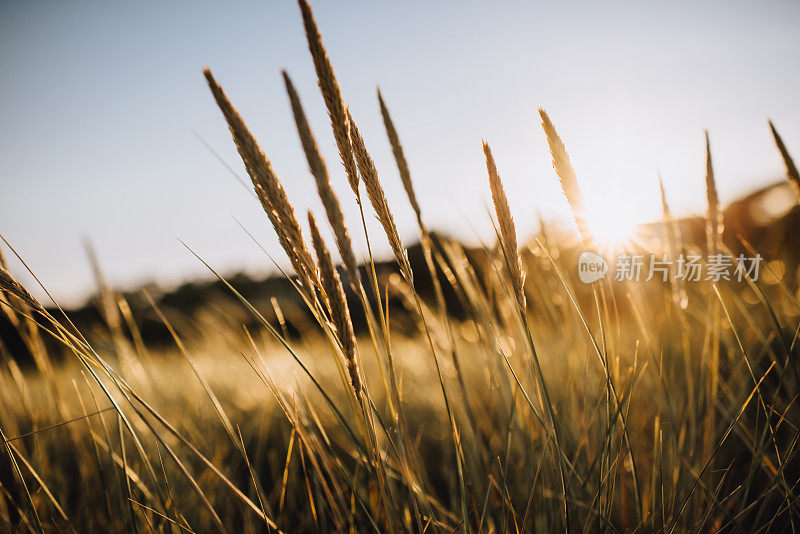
<point x="714" y="226"/>
<point x="319" y="171"/>
<point x="369" y="175"/>
<point x="10" y="286"/>
<point x="791" y="171"/>
<point x="547" y="405"/>
<point x="269" y="191"/>
<point x="400" y="159"/>
<point x="339" y="311"/>
<point x="332" y="95"/>
<point x="508" y="232"/>
<point x="568" y="179"/>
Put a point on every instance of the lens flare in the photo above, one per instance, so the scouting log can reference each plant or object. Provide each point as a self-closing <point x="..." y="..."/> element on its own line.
<point x="612" y="228"/>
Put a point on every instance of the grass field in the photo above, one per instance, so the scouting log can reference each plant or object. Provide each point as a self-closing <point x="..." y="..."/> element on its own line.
<point x="547" y="404"/>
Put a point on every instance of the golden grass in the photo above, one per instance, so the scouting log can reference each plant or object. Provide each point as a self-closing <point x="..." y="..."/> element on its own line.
<point x="319" y="171"/>
<point x="8" y="284"/>
<point x="369" y="175"/>
<point x="714" y="223"/>
<point x="508" y="232"/>
<point x="568" y="179"/>
<point x="400" y="159"/>
<point x="331" y="94"/>
<point x="542" y="405"/>
<point x="269" y="190"/>
<point x="340" y="312"/>
<point x="791" y="170"/>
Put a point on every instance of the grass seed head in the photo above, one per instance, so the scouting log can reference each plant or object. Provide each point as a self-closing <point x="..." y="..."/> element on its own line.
<point x="508" y="231"/>
<point x="369" y="174"/>
<point x="568" y="179"/>
<point x="340" y="312"/>
<point x="319" y="171"/>
<point x="714" y="223"/>
<point x="791" y="170"/>
<point x="268" y="189"/>
<point x="400" y="159"/>
<point x="331" y="94"/>
<point x="10" y="285"/>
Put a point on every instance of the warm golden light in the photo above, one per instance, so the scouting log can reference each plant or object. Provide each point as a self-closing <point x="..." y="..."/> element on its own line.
<point x="612" y="227"/>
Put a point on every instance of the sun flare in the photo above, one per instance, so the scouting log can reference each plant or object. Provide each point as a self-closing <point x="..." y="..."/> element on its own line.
<point x="612" y="227"/>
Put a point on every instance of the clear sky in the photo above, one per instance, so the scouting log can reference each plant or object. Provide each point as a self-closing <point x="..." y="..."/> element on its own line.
<point x="99" y="102"/>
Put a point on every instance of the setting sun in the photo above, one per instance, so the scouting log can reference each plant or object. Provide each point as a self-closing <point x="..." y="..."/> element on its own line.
<point x="611" y="227"/>
<point x="614" y="212"/>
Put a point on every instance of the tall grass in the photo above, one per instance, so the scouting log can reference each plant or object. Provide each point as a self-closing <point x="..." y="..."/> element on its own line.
<point x="547" y="405"/>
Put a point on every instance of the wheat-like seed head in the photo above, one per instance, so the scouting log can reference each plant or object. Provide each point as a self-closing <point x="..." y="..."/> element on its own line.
<point x="10" y="285"/>
<point x="268" y="189"/>
<point x="568" y="179"/>
<point x="319" y="171"/>
<point x="369" y="174"/>
<point x="400" y="159"/>
<point x="340" y="312"/>
<point x="331" y="94"/>
<point x="8" y="301"/>
<point x="508" y="231"/>
<point x="3" y="265"/>
<point x="714" y="223"/>
<point x="791" y="171"/>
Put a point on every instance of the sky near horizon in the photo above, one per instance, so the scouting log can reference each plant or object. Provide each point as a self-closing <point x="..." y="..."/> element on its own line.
<point x="101" y="105"/>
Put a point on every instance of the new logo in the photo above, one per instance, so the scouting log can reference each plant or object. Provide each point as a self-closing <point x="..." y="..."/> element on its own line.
<point x="591" y="267"/>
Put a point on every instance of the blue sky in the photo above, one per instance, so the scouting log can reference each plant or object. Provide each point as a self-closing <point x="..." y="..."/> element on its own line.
<point x="99" y="102"/>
